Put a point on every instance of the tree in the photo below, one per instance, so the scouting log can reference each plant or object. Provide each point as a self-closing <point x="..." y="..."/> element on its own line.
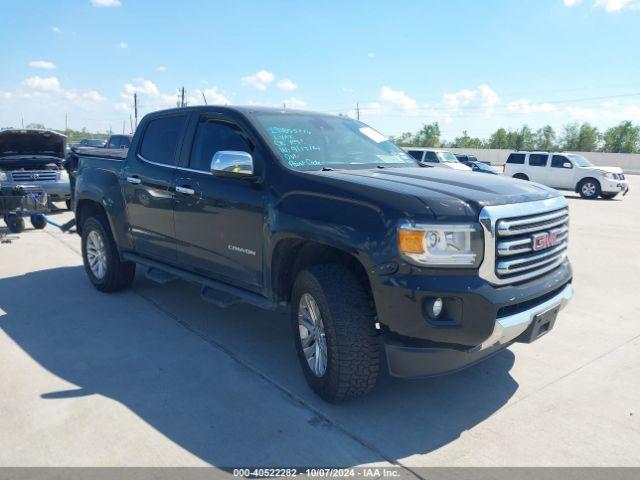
<point x="588" y="138"/>
<point x="545" y="138"/>
<point x="405" y="139"/>
<point x="499" y="139"/>
<point x="428" y="136"/>
<point x="580" y="138"/>
<point x="465" y="141"/>
<point x="623" y="138"/>
<point x="35" y="126"/>
<point x="524" y="140"/>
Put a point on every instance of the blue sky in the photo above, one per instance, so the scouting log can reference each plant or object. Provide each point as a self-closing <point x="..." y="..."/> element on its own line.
<point x="474" y="65"/>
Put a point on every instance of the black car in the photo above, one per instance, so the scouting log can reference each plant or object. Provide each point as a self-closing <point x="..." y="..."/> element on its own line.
<point x="378" y="259"/>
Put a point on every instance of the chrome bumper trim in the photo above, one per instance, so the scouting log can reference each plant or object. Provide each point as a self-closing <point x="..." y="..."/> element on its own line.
<point x="509" y="328"/>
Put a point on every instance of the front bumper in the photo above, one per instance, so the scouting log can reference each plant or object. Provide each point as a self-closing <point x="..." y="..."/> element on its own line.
<point x="56" y="190"/>
<point x="614" y="186"/>
<point x="407" y="361"/>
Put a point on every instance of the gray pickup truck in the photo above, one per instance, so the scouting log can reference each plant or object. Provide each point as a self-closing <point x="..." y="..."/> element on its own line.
<point x="34" y="158"/>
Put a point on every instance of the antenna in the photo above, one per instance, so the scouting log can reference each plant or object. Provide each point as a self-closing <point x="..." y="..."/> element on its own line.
<point x="204" y="98"/>
<point x="135" y="108"/>
<point x="357" y="110"/>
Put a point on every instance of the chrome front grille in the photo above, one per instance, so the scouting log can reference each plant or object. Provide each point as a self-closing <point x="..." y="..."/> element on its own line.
<point x="524" y="241"/>
<point x="34" y="176"/>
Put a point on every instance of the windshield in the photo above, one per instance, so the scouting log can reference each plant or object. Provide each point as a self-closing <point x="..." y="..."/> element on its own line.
<point x="580" y="160"/>
<point x="92" y="143"/>
<point x="313" y="142"/>
<point x="447" y="157"/>
<point x="483" y="166"/>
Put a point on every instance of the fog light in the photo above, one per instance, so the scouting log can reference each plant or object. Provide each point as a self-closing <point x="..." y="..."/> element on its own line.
<point x="436" y="308"/>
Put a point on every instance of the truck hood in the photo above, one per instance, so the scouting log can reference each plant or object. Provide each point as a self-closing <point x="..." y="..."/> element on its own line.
<point x="447" y="192"/>
<point x="29" y="147"/>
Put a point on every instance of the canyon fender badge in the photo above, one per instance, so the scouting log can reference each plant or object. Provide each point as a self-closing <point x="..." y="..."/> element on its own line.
<point x="246" y="251"/>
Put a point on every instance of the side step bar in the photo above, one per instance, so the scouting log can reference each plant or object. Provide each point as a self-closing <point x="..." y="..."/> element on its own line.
<point x="219" y="293"/>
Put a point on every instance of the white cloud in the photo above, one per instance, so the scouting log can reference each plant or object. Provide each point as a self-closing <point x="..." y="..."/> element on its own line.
<point x="286" y="84"/>
<point x="259" y="80"/>
<point x="571" y="3"/>
<point x="45" y="84"/>
<point x="483" y="98"/>
<point x="142" y="86"/>
<point x="524" y="106"/>
<point x="371" y="55"/>
<point x="581" y="113"/>
<point x="56" y="30"/>
<point x="161" y="68"/>
<point x="106" y="3"/>
<point x="397" y="98"/>
<point x="94" y="95"/>
<point x="43" y="64"/>
<point x="294" y="102"/>
<point x="214" y="97"/>
<point x="123" y="45"/>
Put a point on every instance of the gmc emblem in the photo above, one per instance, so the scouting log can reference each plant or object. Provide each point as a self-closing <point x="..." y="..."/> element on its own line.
<point x="544" y="240"/>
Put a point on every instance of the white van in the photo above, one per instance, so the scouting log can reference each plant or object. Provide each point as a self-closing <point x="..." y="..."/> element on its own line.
<point x="567" y="171"/>
<point x="436" y="158"/>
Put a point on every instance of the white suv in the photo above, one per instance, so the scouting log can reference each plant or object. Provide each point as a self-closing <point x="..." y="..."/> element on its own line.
<point x="567" y="171"/>
<point x="436" y="158"/>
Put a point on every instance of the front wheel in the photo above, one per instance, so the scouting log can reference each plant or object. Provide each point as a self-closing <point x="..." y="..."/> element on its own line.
<point x="38" y="221"/>
<point x="333" y="321"/>
<point x="589" y="188"/>
<point x="100" y="256"/>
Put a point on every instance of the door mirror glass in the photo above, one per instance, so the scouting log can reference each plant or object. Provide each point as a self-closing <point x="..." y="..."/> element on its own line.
<point x="229" y="162"/>
<point x="567" y="165"/>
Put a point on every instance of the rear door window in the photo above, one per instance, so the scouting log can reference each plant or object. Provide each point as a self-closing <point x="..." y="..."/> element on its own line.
<point x="516" y="158"/>
<point x="215" y="136"/>
<point x="417" y="154"/>
<point x="538" y="159"/>
<point x="431" y="157"/>
<point x="160" y="140"/>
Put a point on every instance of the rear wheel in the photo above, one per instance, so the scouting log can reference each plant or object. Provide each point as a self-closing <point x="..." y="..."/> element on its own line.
<point x="608" y="196"/>
<point x="333" y="326"/>
<point x="589" y="188"/>
<point x="15" y="223"/>
<point x="100" y="256"/>
<point x="521" y="176"/>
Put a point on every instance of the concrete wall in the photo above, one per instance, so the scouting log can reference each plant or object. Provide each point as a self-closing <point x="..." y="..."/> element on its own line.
<point x="629" y="162"/>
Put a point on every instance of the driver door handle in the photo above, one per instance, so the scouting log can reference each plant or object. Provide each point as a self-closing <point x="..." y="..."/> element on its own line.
<point x="185" y="190"/>
<point x="134" y="180"/>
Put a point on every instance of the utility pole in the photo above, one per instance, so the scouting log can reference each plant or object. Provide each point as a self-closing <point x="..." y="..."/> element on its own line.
<point x="66" y="127"/>
<point x="357" y="110"/>
<point x="182" y="104"/>
<point x="131" y="123"/>
<point x="284" y="106"/>
<point x="22" y="121"/>
<point x="204" y="98"/>
<point x="135" y="108"/>
<point x="123" y="125"/>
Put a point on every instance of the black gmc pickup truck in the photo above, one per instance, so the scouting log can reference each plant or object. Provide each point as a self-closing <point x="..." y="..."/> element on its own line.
<point x="380" y="259"/>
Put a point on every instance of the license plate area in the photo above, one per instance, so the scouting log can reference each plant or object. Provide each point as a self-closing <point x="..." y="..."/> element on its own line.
<point x="542" y="323"/>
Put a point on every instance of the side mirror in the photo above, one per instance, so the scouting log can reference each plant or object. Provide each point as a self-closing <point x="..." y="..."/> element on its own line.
<point x="229" y="162"/>
<point x="567" y="165"/>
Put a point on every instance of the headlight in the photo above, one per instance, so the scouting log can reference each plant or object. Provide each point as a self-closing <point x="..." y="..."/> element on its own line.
<point x="63" y="174"/>
<point x="454" y="245"/>
<point x="3" y="176"/>
<point x="609" y="175"/>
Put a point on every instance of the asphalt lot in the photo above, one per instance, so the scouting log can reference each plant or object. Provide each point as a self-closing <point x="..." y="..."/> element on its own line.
<point x="155" y="376"/>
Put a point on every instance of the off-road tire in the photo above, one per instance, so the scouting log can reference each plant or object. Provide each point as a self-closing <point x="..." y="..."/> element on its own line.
<point x="595" y="192"/>
<point x="119" y="275"/>
<point x="348" y="315"/>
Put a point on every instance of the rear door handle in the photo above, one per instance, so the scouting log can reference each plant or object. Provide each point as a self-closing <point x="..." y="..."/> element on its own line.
<point x="185" y="190"/>
<point x="134" y="180"/>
